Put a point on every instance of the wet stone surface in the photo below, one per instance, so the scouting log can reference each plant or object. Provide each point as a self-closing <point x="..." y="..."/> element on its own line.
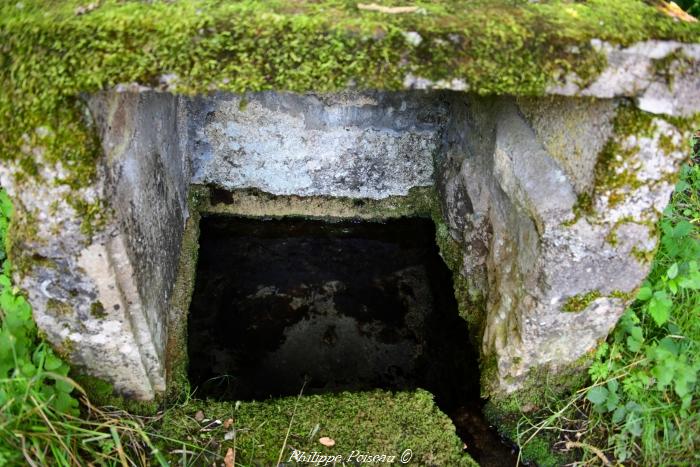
<point x="340" y="306"/>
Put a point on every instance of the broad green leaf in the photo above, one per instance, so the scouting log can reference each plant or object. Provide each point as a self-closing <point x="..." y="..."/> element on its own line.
<point x="612" y="401"/>
<point x="633" y="424"/>
<point x="633" y="344"/>
<point x="684" y="380"/>
<point x="673" y="287"/>
<point x="644" y="293"/>
<point x="660" y="307"/>
<point x="63" y="386"/>
<point x="672" y="271"/>
<point x="63" y="402"/>
<point x="690" y="281"/>
<point x="597" y="395"/>
<point x="682" y="229"/>
<point x="619" y="414"/>
<point x="663" y="374"/>
<point x="28" y="369"/>
<point x="52" y="362"/>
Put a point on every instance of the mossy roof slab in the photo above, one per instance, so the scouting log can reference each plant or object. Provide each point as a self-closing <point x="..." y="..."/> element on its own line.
<point x="54" y="52"/>
<point x="493" y="46"/>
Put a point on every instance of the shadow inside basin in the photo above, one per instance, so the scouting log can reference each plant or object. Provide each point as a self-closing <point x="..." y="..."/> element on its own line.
<point x="279" y="303"/>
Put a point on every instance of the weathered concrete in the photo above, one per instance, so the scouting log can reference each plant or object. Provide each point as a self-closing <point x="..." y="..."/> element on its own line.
<point x="370" y="145"/>
<point x="147" y="177"/>
<point x="511" y="174"/>
<point x="663" y="77"/>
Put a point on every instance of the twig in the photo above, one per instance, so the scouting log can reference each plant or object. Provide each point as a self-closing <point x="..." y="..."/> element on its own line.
<point x="58" y="437"/>
<point x="392" y="10"/>
<point x="24" y="452"/>
<point x="289" y="428"/>
<point x="593" y="449"/>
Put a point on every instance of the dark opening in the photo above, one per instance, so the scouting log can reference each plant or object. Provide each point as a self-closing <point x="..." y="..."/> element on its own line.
<point x="342" y="306"/>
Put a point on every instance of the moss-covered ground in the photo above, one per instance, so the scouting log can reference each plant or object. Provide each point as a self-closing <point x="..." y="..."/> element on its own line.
<point x="370" y="423"/>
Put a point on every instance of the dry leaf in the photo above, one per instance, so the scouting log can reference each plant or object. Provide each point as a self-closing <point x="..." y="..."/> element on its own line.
<point x="199" y="416"/>
<point x="326" y="441"/>
<point x="230" y="458"/>
<point x="674" y="11"/>
<point x="387" y="9"/>
<point x="228" y="423"/>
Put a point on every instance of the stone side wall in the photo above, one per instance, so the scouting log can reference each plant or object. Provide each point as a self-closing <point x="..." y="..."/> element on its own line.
<point x="100" y="295"/>
<point x="528" y="196"/>
<point x="147" y="178"/>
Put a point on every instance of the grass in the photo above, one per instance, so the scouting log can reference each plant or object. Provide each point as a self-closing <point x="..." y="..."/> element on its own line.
<point x="42" y="421"/>
<point x="642" y="402"/>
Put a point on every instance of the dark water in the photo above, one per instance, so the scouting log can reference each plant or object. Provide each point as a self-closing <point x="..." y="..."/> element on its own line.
<point x="340" y="306"/>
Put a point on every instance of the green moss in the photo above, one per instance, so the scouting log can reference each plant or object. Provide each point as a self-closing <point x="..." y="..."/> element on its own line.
<point x="624" y="296"/>
<point x="255" y="203"/>
<point x="101" y="394"/>
<point x="471" y="303"/>
<point x="177" y="383"/>
<point x="22" y="230"/>
<point x="582" y="207"/>
<point x="613" y="174"/>
<point x="58" y="307"/>
<point x="580" y="302"/>
<point x="65" y="350"/>
<point x="643" y="256"/>
<point x="51" y="56"/>
<point x="471" y="306"/>
<point x="376" y="422"/>
<point x="92" y="214"/>
<point x="675" y="62"/>
<point x="610" y="171"/>
<point x="97" y="310"/>
<point x="450" y="250"/>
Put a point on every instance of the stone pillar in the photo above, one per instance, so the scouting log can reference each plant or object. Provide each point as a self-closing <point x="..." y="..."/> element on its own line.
<point x="554" y="202"/>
